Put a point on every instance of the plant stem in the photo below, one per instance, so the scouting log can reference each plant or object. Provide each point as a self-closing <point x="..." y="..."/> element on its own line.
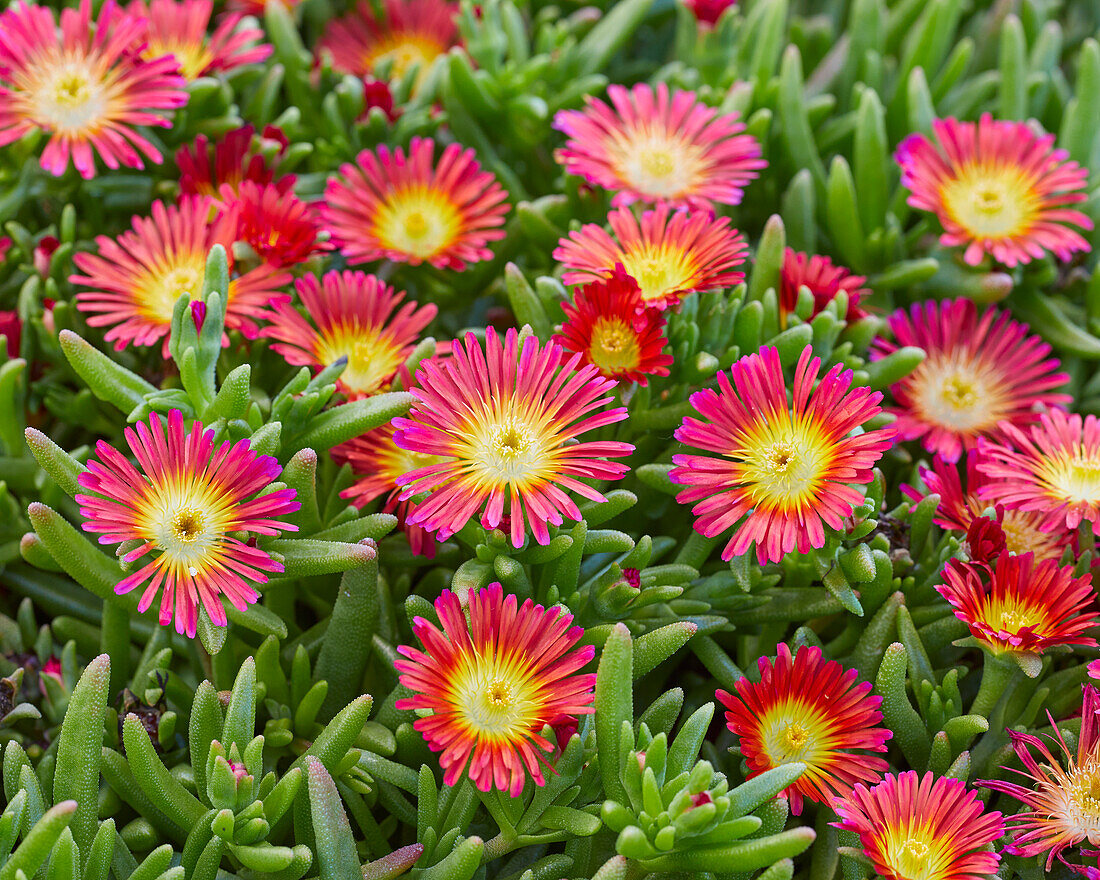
<point x="996" y="674"/>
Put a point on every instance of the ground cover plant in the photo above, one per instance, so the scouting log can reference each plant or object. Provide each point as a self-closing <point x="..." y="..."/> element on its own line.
<point x="528" y="440"/>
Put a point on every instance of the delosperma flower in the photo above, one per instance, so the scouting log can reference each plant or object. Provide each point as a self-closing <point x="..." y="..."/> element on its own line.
<point x="810" y="710"/>
<point x="132" y="284"/>
<point x="997" y="188"/>
<point x="85" y="85"/>
<point x="206" y="169"/>
<point x="507" y="421"/>
<point x="960" y="505"/>
<point x="656" y="145"/>
<point x="609" y="326"/>
<point x="824" y="281"/>
<point x="982" y="371"/>
<point x="179" y="28"/>
<point x="412" y="32"/>
<point x="785" y="472"/>
<point x="187" y="505"/>
<point x="669" y="253"/>
<point x="349" y="315"/>
<point x="1051" y="468"/>
<point x="281" y="229"/>
<point x="1062" y="793"/>
<point x="413" y="209"/>
<point x="922" y="828"/>
<point x="492" y="683"/>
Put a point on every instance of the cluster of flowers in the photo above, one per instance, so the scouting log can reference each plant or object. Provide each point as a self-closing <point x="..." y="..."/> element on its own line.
<point x="495" y="433"/>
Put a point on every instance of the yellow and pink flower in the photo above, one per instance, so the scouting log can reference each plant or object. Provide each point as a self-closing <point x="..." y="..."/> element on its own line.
<point x="505" y="421"/>
<point x="813" y="711"/>
<point x="669" y="253"/>
<point x="981" y="373"/>
<point x="414" y="32"/>
<point x="961" y="505"/>
<point x="409" y="208"/>
<point x="492" y="685"/>
<point x="179" y="28"/>
<point x="1062" y="795"/>
<point x="824" y="281"/>
<point x="997" y="188"/>
<point x="1051" y="467"/>
<point x="653" y="145"/>
<point x="133" y="283"/>
<point x="608" y="325"/>
<point x="279" y="227"/>
<point x="351" y="315"/>
<point x="922" y="828"/>
<point x="85" y="84"/>
<point x="787" y="471"/>
<point x="187" y="505"/>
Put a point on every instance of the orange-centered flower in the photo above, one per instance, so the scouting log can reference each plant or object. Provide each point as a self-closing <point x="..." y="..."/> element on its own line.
<point x="813" y="711"/>
<point x="492" y="684"/>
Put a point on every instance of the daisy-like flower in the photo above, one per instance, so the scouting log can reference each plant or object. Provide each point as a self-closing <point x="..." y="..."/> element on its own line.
<point x="377" y="462"/>
<point x="351" y="315"/>
<point x="1063" y="795"/>
<point x="493" y="684"/>
<point x="186" y="505"/>
<point x="922" y="828"/>
<point x="609" y="326"/>
<point x="824" y="281"/>
<point x="1052" y="468"/>
<point x="85" y="84"/>
<point x="413" y="210"/>
<point x="134" y="281"/>
<point x="179" y="28"/>
<point x="997" y="188"/>
<point x="651" y="145"/>
<point x="961" y="505"/>
<point x="982" y="373"/>
<point x="207" y="171"/>
<point x="414" y="32"/>
<point x="281" y="228"/>
<point x="670" y="254"/>
<point x="1011" y="603"/>
<point x="505" y="420"/>
<point x="806" y="709"/>
<point x="785" y="472"/>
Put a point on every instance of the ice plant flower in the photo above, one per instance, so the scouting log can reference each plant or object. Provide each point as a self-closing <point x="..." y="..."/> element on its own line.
<point x="492" y="684"/>
<point x="186" y="505"/>
<point x="669" y="253"/>
<point x="961" y="505"/>
<point x="505" y="418"/>
<point x="982" y="372"/>
<point x="1063" y="794"/>
<point x="281" y="228"/>
<point x="997" y="188"/>
<point x="11" y="328"/>
<point x="786" y="471"/>
<point x="653" y="145"/>
<point x="824" y="281"/>
<point x="85" y="84"/>
<point x="134" y="281"/>
<point x="377" y="462"/>
<point x="707" y="12"/>
<point x="922" y="828"/>
<point x="414" y="32"/>
<point x="351" y="315"/>
<point x="1052" y="468"/>
<point x="206" y="170"/>
<point x="810" y="710"/>
<point x="608" y="325"/>
<point x="179" y="28"/>
<point x="407" y="208"/>
<point x="1011" y="603"/>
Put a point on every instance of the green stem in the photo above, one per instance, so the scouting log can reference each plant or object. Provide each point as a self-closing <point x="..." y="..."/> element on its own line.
<point x="996" y="673"/>
<point x="114" y="641"/>
<point x="499" y="846"/>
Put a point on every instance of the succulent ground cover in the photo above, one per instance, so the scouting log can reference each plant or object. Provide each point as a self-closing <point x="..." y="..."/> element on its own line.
<point x="518" y="440"/>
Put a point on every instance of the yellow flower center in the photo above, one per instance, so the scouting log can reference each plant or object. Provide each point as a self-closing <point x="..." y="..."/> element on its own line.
<point x="990" y="201"/>
<point x="373" y="357"/>
<point x="186" y="518"/>
<point x="507" y="446"/>
<point x="187" y="525"/>
<point x="402" y="51"/>
<point x="494" y="696"/>
<point x="193" y="58"/>
<point x="960" y="392"/>
<point x="614" y="347"/>
<point x="178" y="275"/>
<point x="420" y="221"/>
<point x="792" y="732"/>
<point x="659" y="163"/>
<point x="1011" y="615"/>
<point x="1073" y="477"/>
<point x="68" y="96"/>
<point x="660" y="271"/>
<point x="785" y="463"/>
